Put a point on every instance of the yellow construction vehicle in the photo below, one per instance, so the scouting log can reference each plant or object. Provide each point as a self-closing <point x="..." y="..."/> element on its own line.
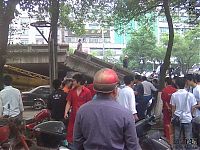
<point x="24" y="79"/>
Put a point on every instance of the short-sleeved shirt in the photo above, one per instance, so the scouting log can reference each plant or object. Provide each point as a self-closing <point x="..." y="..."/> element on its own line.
<point x="148" y="88"/>
<point x="166" y="95"/>
<point x="91" y="88"/>
<point x="56" y="104"/>
<point x="126" y="98"/>
<point x="196" y="93"/>
<point x="76" y="102"/>
<point x="140" y="92"/>
<point x="183" y="109"/>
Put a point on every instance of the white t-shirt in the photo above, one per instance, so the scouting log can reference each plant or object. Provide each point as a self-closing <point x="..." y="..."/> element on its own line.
<point x="11" y="96"/>
<point x="126" y="98"/>
<point x="1" y="108"/>
<point x="196" y="92"/>
<point x="148" y="86"/>
<point x="183" y="109"/>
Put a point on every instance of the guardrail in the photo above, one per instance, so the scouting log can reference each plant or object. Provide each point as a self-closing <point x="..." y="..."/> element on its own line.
<point x="35" y="48"/>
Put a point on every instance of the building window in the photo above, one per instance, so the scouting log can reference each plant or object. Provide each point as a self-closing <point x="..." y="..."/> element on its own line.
<point x="24" y="41"/>
<point x="71" y="39"/>
<point x="94" y="40"/>
<point x="39" y="41"/>
<point x="162" y="19"/>
<point x="164" y="30"/>
<point x="25" y="32"/>
<point x="106" y="40"/>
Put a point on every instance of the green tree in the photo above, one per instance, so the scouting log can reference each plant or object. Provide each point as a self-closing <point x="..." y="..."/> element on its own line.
<point x="79" y="11"/>
<point x="186" y="48"/>
<point x="141" y="47"/>
<point x="126" y="11"/>
<point x="109" y="56"/>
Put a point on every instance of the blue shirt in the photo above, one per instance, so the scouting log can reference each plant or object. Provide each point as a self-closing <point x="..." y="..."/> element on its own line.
<point x="105" y="125"/>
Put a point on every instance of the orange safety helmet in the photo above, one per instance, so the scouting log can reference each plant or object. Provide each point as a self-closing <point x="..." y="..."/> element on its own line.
<point x="105" y="80"/>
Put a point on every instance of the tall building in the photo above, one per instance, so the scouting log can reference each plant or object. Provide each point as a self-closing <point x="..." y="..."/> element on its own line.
<point x="96" y="40"/>
<point x="179" y="24"/>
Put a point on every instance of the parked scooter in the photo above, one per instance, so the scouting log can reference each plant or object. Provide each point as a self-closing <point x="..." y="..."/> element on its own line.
<point x="41" y="116"/>
<point x="150" y="140"/>
<point x="50" y="134"/>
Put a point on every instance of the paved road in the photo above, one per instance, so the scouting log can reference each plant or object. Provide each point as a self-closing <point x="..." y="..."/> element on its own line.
<point x="29" y="112"/>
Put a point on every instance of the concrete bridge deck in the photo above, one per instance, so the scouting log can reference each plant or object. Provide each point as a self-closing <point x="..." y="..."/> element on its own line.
<point x="89" y="65"/>
<point x="35" y="58"/>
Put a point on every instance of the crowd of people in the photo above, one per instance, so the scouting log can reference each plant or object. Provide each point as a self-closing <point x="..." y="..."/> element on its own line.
<point x="102" y="115"/>
<point x="104" y="122"/>
<point x="181" y="99"/>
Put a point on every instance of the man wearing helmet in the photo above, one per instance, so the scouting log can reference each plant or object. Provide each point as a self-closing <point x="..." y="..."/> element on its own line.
<point x="103" y="123"/>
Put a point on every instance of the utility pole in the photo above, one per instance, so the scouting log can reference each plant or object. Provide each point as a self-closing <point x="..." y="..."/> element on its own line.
<point x="53" y="41"/>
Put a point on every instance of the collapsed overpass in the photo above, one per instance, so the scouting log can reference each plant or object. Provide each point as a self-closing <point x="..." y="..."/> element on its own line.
<point x="89" y="65"/>
<point x="34" y="58"/>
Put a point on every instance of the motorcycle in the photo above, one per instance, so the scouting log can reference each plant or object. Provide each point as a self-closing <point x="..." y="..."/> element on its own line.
<point x="41" y="116"/>
<point x="148" y="139"/>
<point x="12" y="134"/>
<point x="50" y="134"/>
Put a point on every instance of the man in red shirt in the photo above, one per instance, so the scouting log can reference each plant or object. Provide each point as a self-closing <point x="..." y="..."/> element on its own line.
<point x="91" y="88"/>
<point x="166" y="96"/>
<point x="77" y="96"/>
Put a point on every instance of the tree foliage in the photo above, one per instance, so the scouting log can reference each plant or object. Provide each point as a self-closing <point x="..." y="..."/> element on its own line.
<point x="186" y="48"/>
<point x="142" y="46"/>
<point x="125" y="11"/>
<point x="79" y="11"/>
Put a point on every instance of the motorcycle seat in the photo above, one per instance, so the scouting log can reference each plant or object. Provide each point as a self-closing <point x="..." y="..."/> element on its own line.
<point x="29" y="120"/>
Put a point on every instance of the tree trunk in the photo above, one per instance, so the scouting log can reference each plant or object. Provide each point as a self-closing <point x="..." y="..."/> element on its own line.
<point x="54" y="40"/>
<point x="166" y="63"/>
<point x="6" y="15"/>
<point x="3" y="47"/>
<point x="142" y="66"/>
<point x="181" y="64"/>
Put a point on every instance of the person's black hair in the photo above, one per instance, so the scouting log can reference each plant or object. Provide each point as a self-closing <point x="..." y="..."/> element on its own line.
<point x="180" y="82"/>
<point x="197" y="77"/>
<point x="168" y="80"/>
<point x="80" y="78"/>
<point x="144" y="78"/>
<point x="7" y="80"/>
<point x="190" y="77"/>
<point x="155" y="80"/>
<point x="138" y="77"/>
<point x="67" y="81"/>
<point x="89" y="80"/>
<point x="175" y="77"/>
<point x="128" y="79"/>
<point x="56" y="84"/>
